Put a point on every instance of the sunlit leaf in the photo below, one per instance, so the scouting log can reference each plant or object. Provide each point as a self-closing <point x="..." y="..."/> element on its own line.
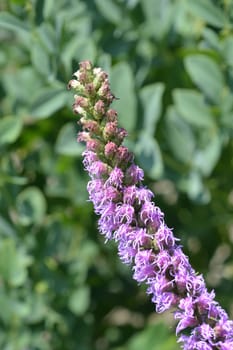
<point x="110" y="10"/>
<point x="191" y="106"/>
<point x="122" y="84"/>
<point x="47" y="102"/>
<point x="10" y="129"/>
<point x="206" y="74"/>
<point x="206" y="10"/>
<point x="179" y="136"/>
<point x="79" y="300"/>
<point x="149" y="155"/>
<point x="151" y="96"/>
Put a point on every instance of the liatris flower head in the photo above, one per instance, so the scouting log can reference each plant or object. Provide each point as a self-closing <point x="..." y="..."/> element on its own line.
<point x="130" y="217"/>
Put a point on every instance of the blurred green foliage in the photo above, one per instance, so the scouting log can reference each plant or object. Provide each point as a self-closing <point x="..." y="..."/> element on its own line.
<point x="171" y="65"/>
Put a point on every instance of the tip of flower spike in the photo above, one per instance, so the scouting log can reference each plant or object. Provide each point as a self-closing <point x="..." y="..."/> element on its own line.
<point x="86" y="65"/>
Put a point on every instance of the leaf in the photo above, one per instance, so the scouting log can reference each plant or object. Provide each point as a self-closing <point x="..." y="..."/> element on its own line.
<point x="151" y="96"/>
<point x="48" y="8"/>
<point x="122" y="85"/>
<point x="47" y="36"/>
<point x="149" y="156"/>
<point x="206" y="10"/>
<point x="47" y="102"/>
<point x="109" y="10"/>
<point x="195" y="189"/>
<point x="6" y="228"/>
<point x="212" y="39"/>
<point x="206" y="74"/>
<point x="10" y="129"/>
<point x="228" y="50"/>
<point x="153" y="337"/>
<point x="26" y="77"/>
<point x="207" y="156"/>
<point x="192" y="108"/>
<point x="31" y="206"/>
<point x="158" y="16"/>
<point x="227" y="120"/>
<point x="8" y="21"/>
<point x="40" y="59"/>
<point x="13" y="263"/>
<point x="179" y="136"/>
<point x="66" y="142"/>
<point x="79" y="300"/>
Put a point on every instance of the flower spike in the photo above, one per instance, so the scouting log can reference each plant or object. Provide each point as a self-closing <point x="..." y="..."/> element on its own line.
<point x="128" y="216"/>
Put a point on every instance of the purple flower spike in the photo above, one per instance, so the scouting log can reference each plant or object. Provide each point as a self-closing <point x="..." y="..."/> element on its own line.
<point x="128" y="216"/>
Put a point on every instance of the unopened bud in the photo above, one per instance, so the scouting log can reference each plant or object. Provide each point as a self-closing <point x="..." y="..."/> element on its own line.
<point x="111" y="115"/>
<point x="83" y="136"/>
<point x="99" y="108"/>
<point x="94" y="145"/>
<point x="110" y="149"/>
<point x="85" y="65"/>
<point x="90" y="125"/>
<point x="123" y="155"/>
<point x="110" y="130"/>
<point x="90" y="89"/>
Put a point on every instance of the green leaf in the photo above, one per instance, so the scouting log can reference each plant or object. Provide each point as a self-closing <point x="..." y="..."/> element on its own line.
<point x="212" y="39"/>
<point x="79" y="300"/>
<point x="13" y="263"/>
<point x="207" y="156"/>
<point x="206" y="10"/>
<point x="6" y="228"/>
<point x="179" y="137"/>
<point x="195" y="189"/>
<point x="153" y="337"/>
<point x="110" y="10"/>
<point x="227" y="120"/>
<point x="31" y="206"/>
<point x="26" y="77"/>
<point x="228" y="50"/>
<point x="48" y="101"/>
<point x="11" y="22"/>
<point x="122" y="85"/>
<point x="206" y="74"/>
<point x="151" y="96"/>
<point x="48" y="8"/>
<point x="149" y="155"/>
<point x="10" y="129"/>
<point x="66" y="142"/>
<point x="158" y="16"/>
<point x="47" y="36"/>
<point x="192" y="108"/>
<point x="40" y="59"/>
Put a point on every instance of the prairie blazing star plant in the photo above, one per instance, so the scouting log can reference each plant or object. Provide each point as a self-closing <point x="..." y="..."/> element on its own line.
<point x="129" y="216"/>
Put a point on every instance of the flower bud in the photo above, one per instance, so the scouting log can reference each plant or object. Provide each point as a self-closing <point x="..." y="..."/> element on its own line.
<point x="90" y="125"/>
<point x="94" y="145"/>
<point x="123" y="156"/>
<point x="110" y="149"/>
<point x="110" y="130"/>
<point x="73" y="84"/>
<point x="99" y="109"/>
<point x="85" y="65"/>
<point x="90" y="89"/>
<point x="111" y="115"/>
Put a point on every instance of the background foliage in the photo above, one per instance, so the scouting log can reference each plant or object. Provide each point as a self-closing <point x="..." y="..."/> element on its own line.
<point x="171" y="65"/>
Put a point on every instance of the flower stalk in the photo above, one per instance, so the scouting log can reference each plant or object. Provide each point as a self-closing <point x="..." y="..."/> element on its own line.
<point x="129" y="216"/>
